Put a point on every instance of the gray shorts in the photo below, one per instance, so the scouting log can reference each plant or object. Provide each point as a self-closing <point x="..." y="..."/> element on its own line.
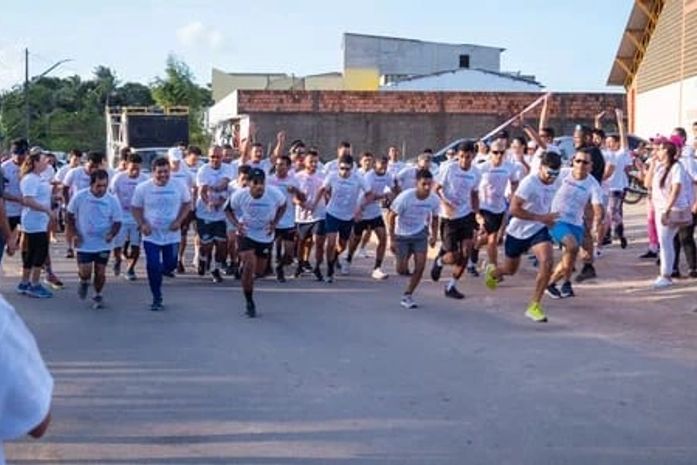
<point x="409" y="245"/>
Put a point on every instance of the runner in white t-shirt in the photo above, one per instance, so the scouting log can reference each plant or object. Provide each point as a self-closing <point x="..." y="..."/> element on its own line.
<point x="255" y="211"/>
<point x="94" y="217"/>
<point x="408" y="220"/>
<point x="193" y="164"/>
<point x="406" y="177"/>
<point x="286" y="232"/>
<point x="616" y="184"/>
<point x="310" y="217"/>
<point x="159" y="206"/>
<point x="127" y="243"/>
<point x="576" y="189"/>
<point x="343" y="188"/>
<point x="531" y="216"/>
<point x="394" y="165"/>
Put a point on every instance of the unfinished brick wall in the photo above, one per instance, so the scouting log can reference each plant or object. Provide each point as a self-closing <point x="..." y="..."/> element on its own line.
<point x="374" y="120"/>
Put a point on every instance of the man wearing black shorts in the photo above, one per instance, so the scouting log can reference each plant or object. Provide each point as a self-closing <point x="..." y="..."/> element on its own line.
<point x="457" y="186"/>
<point x="310" y="216"/>
<point x="94" y="217"/>
<point x="255" y="211"/>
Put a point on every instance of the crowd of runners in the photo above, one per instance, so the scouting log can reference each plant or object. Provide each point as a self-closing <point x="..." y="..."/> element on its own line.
<point x="255" y="215"/>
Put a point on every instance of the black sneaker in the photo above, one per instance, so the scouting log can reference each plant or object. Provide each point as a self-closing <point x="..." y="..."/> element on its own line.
<point x="436" y="270"/>
<point x="623" y="242"/>
<point x="216" y="276"/>
<point x="201" y="267"/>
<point x="318" y="274"/>
<point x="251" y="310"/>
<point x="566" y="290"/>
<point x="553" y="291"/>
<point x="472" y="270"/>
<point x="117" y="267"/>
<point x="587" y="272"/>
<point x="453" y="293"/>
<point x="280" y="277"/>
<point x="97" y="302"/>
<point x="307" y="267"/>
<point x="169" y="274"/>
<point x="648" y="254"/>
<point x="157" y="306"/>
<point x="676" y="274"/>
<point x="82" y="290"/>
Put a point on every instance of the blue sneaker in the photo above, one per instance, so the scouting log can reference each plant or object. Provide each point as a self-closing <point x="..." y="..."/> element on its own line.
<point x="39" y="292"/>
<point x="22" y="288"/>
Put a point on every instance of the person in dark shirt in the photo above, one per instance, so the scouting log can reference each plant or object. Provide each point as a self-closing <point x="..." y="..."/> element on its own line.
<point x="583" y="138"/>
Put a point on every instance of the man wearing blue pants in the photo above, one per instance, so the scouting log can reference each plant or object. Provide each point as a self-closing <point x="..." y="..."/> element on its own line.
<point x="159" y="206"/>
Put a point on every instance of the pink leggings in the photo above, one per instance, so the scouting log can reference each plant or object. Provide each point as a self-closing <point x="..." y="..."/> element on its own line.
<point x="651" y="227"/>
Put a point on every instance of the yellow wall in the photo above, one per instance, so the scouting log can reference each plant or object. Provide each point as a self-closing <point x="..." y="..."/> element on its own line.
<point x="361" y="79"/>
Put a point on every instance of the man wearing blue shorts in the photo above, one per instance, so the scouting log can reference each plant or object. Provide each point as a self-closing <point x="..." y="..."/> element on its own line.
<point x="576" y="189"/>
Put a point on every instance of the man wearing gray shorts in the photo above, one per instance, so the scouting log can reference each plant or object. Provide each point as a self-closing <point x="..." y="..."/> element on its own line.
<point x="408" y="222"/>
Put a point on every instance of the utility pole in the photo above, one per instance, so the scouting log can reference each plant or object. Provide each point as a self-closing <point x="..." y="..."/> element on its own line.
<point x="26" y="93"/>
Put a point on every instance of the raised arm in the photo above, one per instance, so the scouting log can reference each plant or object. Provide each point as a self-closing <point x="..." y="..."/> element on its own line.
<point x="624" y="143"/>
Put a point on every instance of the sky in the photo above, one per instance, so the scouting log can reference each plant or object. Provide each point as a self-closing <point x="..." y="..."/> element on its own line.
<point x="566" y="46"/>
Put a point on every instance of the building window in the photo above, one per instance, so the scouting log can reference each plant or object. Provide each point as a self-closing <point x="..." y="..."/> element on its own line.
<point x="464" y="61"/>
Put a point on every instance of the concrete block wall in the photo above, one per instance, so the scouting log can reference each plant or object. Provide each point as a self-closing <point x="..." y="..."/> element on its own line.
<point x="375" y="120"/>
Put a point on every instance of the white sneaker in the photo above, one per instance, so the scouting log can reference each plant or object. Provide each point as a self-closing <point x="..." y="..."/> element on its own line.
<point x="363" y="253"/>
<point x="407" y="302"/>
<point x="345" y="266"/>
<point x="662" y="282"/>
<point x="379" y="274"/>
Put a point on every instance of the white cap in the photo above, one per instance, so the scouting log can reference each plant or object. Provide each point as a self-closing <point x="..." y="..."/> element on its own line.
<point x="36" y="150"/>
<point x="175" y="154"/>
<point x="532" y="144"/>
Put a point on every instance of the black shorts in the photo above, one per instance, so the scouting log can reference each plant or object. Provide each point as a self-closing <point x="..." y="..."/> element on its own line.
<point x="515" y="247"/>
<point x="492" y="221"/>
<point x="306" y="230"/>
<point x="453" y="232"/>
<point x="98" y="258"/>
<point x="286" y="234"/>
<point x="209" y="231"/>
<point x="14" y="222"/>
<point x="34" y="249"/>
<point x="261" y="249"/>
<point x="371" y="225"/>
<point x="335" y="225"/>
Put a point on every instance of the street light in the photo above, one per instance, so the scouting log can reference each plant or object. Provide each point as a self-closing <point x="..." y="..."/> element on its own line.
<point x="27" y="81"/>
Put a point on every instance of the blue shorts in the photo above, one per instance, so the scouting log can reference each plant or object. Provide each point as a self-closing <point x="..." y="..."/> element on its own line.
<point x="562" y="229"/>
<point x="515" y="247"/>
<point x="336" y="225"/>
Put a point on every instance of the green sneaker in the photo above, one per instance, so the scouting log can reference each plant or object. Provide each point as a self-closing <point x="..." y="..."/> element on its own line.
<point x="489" y="278"/>
<point x="535" y="313"/>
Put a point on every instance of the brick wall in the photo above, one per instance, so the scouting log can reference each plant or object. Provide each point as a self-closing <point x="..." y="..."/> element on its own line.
<point x="375" y="120"/>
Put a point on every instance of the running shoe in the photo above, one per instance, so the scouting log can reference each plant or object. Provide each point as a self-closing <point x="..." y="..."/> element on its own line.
<point x="157" y="306"/>
<point x="307" y="267"/>
<point x="489" y="278"/>
<point x="130" y="275"/>
<point x="216" y="276"/>
<point x="553" y="291"/>
<point x="82" y="289"/>
<point x="662" y="282"/>
<point x="623" y="242"/>
<point x="587" y="272"/>
<point x="318" y="274"/>
<point x="39" y="292"/>
<point x="97" y="302"/>
<point x="70" y="253"/>
<point x="53" y="281"/>
<point x="408" y="302"/>
<point x="117" y="268"/>
<point x="379" y="274"/>
<point x="535" y="313"/>
<point x="453" y="293"/>
<point x="472" y="270"/>
<point x="648" y="254"/>
<point x="251" y="310"/>
<point x="22" y="288"/>
<point x="436" y="270"/>
<point x="566" y="290"/>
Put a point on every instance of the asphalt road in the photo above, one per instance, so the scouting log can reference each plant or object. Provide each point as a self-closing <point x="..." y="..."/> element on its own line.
<point x="340" y="374"/>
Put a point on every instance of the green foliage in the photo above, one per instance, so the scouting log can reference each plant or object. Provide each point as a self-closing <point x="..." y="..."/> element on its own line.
<point x="69" y="113"/>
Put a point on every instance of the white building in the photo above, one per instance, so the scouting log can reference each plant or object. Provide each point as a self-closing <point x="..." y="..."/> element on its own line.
<point x="466" y="80"/>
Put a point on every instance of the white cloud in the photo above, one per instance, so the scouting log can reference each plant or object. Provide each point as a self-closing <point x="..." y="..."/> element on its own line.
<point x="196" y="35"/>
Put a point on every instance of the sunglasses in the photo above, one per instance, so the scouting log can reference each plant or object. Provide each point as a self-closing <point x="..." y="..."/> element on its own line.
<point x="552" y="173"/>
<point x="498" y="152"/>
<point x="578" y="161"/>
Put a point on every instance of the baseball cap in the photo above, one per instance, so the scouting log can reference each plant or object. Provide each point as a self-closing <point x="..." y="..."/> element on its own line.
<point x="256" y="174"/>
<point x="175" y="154"/>
<point x="36" y="150"/>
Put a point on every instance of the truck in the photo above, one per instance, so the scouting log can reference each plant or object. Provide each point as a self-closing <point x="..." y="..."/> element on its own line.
<point x="148" y="131"/>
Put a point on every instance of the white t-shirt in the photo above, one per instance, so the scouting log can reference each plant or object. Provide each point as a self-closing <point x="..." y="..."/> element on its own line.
<point x="288" y="219"/>
<point x="209" y="176"/>
<point x="394" y="167"/>
<point x="413" y="214"/>
<point x="256" y="214"/>
<point x="264" y="164"/>
<point x="378" y="185"/>
<point x="48" y="174"/>
<point x="161" y="206"/>
<point x="458" y="186"/>
<point x="183" y="175"/>
<point x="310" y="184"/>
<point x="573" y="195"/>
<point x="618" y="181"/>
<point x="94" y="217"/>
<point x="537" y="198"/>
<point x="62" y="172"/>
<point x="33" y="221"/>
<point x="26" y="386"/>
<point x="494" y="183"/>
<point x="77" y="179"/>
<point x="123" y="187"/>
<point x="11" y="170"/>
<point x="659" y="196"/>
<point x="345" y="194"/>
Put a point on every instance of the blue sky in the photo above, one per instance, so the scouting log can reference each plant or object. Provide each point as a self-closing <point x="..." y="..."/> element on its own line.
<point x="568" y="47"/>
